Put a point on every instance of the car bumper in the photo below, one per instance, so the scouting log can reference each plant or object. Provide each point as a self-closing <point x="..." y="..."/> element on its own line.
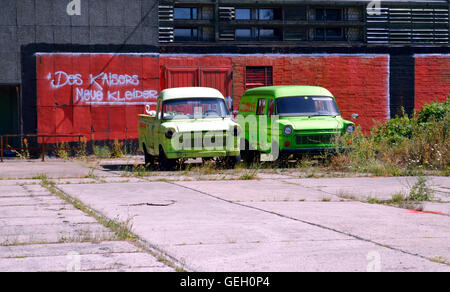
<point x="315" y="150"/>
<point x="202" y="154"/>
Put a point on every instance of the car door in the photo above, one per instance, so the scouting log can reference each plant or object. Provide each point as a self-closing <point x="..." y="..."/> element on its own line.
<point x="155" y="130"/>
<point x="261" y="112"/>
<point x="270" y="115"/>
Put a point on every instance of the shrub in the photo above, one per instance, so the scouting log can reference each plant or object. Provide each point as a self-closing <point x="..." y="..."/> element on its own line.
<point x="434" y="111"/>
<point x="401" y="146"/>
<point x="117" y="150"/>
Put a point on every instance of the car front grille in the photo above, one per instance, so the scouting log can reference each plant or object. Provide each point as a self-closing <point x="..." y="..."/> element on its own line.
<point x="212" y="139"/>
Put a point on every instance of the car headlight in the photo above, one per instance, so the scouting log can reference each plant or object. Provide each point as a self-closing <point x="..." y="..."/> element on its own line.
<point x="350" y="129"/>
<point x="288" y="130"/>
<point x="169" y="133"/>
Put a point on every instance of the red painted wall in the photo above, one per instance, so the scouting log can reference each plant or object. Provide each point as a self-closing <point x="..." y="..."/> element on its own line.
<point x="360" y="84"/>
<point x="432" y="79"/>
<point x="79" y="93"/>
<point x="95" y="95"/>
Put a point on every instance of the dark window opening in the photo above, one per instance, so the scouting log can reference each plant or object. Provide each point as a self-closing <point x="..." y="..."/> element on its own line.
<point x="261" y="106"/>
<point x="245" y="34"/>
<point x="295" y="13"/>
<point x="258" y="76"/>
<point x="257" y="14"/>
<point x="184" y="13"/>
<point x="329" y="34"/>
<point x="185" y="34"/>
<point x="328" y="14"/>
<point x="269" y="34"/>
<point x="295" y="34"/>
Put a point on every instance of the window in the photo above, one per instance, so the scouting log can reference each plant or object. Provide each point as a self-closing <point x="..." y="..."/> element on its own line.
<point x="185" y="34"/>
<point x="271" y="108"/>
<point x="254" y="34"/>
<point x="329" y="34"/>
<point x="185" y="13"/>
<point x="328" y="14"/>
<point x="257" y="14"/>
<point x="244" y="34"/>
<point x="266" y="34"/>
<point x="190" y="108"/>
<point x="266" y="14"/>
<point x="295" y="13"/>
<point x="295" y="34"/>
<point x="258" y="76"/>
<point x="243" y="14"/>
<point x="306" y="106"/>
<point x="261" y="106"/>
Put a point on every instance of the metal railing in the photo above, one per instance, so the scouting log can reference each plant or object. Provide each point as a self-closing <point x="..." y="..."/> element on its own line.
<point x="4" y="144"/>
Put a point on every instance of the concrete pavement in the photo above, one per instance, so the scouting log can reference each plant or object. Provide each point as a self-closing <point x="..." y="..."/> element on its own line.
<point x="41" y="232"/>
<point x="219" y="222"/>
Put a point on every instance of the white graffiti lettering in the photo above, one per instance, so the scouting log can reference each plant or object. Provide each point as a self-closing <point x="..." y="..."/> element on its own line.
<point x="62" y="79"/>
<point x="111" y="79"/>
<point x="103" y="88"/>
<point x="86" y="95"/>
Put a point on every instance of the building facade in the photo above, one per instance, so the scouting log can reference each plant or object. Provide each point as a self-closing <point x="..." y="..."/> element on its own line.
<point x="91" y="66"/>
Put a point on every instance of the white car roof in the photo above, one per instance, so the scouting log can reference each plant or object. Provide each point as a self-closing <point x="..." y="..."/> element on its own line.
<point x="190" y="92"/>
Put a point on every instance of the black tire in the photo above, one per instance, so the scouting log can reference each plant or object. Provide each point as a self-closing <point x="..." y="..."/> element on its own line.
<point x="250" y="156"/>
<point x="149" y="159"/>
<point x="283" y="158"/>
<point x="165" y="163"/>
<point x="228" y="162"/>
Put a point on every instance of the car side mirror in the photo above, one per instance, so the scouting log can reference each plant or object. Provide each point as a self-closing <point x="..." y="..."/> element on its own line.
<point x="355" y="116"/>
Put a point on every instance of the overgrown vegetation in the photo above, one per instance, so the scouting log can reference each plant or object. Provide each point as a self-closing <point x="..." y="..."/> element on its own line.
<point x="401" y="146"/>
<point x="419" y="192"/>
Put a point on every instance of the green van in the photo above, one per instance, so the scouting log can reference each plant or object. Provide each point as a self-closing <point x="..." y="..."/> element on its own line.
<point x="285" y="120"/>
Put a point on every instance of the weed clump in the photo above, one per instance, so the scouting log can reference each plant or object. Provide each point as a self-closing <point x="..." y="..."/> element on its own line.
<point x="401" y="146"/>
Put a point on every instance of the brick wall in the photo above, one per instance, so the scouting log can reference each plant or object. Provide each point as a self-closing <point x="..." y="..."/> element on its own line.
<point x="432" y="79"/>
<point x="76" y="95"/>
<point x="96" y="95"/>
<point x="359" y="83"/>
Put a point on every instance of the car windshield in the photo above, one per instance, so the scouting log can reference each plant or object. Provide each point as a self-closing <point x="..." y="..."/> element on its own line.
<point x="306" y="106"/>
<point x="194" y="108"/>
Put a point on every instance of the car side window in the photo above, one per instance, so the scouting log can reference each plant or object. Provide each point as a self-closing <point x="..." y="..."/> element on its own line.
<point x="261" y="106"/>
<point x="271" y="108"/>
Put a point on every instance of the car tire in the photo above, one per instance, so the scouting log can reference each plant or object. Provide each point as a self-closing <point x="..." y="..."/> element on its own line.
<point x="282" y="159"/>
<point x="228" y="162"/>
<point x="149" y="159"/>
<point x="250" y="156"/>
<point x="165" y="164"/>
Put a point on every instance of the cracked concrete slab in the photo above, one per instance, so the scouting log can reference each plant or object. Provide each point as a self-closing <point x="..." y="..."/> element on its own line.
<point x="382" y="224"/>
<point x="41" y="232"/>
<point x="17" y="169"/>
<point x="365" y="187"/>
<point x="259" y="190"/>
<point x="209" y="234"/>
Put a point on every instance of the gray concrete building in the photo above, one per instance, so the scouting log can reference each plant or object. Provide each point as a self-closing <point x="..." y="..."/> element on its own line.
<point x="401" y="30"/>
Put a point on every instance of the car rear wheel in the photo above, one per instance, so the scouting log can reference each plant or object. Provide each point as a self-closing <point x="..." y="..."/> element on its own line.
<point x="164" y="162"/>
<point x="228" y="162"/>
<point x="250" y="156"/>
<point x="149" y="159"/>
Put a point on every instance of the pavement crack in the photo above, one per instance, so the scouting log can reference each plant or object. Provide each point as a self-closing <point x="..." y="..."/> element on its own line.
<point x="150" y="204"/>
<point x="310" y="223"/>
